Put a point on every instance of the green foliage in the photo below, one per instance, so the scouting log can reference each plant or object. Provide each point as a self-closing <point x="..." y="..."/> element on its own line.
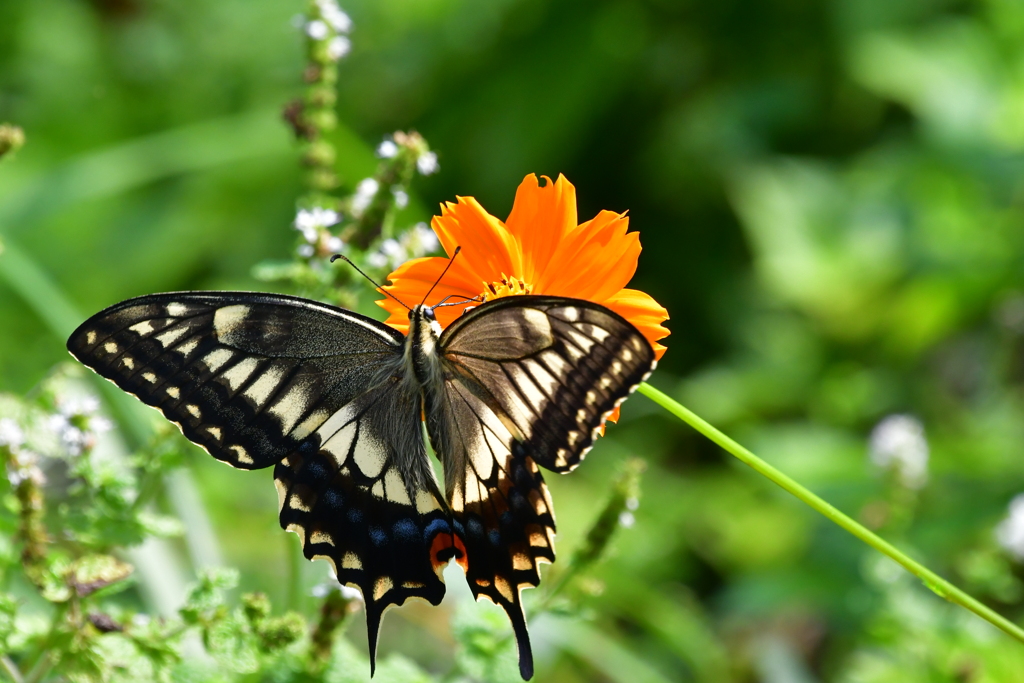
<point x="829" y="196"/>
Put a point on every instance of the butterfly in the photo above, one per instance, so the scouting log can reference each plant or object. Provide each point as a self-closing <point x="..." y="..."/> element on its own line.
<point x="335" y="402"/>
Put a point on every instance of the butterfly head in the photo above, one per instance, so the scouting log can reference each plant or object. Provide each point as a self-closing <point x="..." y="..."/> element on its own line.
<point x="422" y="318"/>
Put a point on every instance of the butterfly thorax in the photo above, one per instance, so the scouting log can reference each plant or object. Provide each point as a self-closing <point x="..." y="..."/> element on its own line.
<point x="421" y="350"/>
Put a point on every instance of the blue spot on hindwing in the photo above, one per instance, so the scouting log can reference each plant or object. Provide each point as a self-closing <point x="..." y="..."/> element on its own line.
<point x="316" y="470"/>
<point x="332" y="499"/>
<point x="438" y="526"/>
<point x="405" y="530"/>
<point x="377" y="536"/>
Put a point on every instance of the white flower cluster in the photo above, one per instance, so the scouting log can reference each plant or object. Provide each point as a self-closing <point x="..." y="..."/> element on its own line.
<point x="365" y="191"/>
<point x="11" y="435"/>
<point x="313" y="224"/>
<point x="24" y="463"/>
<point x="387" y="149"/>
<point x="69" y="431"/>
<point x="81" y="412"/>
<point x="322" y="590"/>
<point x="626" y="517"/>
<point x="334" y="15"/>
<point x="426" y="162"/>
<point x="1010" y="532"/>
<point x="417" y="242"/>
<point x="334" y="24"/>
<point x="898" y="443"/>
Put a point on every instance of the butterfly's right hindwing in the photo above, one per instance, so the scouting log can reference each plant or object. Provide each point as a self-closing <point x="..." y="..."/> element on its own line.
<point x="246" y="376"/>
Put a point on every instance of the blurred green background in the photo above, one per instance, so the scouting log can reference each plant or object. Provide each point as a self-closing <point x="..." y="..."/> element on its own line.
<point x="830" y="195"/>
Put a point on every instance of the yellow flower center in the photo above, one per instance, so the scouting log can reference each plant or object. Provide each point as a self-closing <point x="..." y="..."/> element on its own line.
<point x="507" y="286"/>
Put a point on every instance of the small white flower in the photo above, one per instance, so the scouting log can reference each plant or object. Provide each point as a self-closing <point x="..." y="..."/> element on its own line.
<point x="350" y="593"/>
<point x="338" y="47"/>
<point x="11" y="435"/>
<point x="305" y="250"/>
<point x="391" y="247"/>
<point x="377" y="259"/>
<point x="898" y="443"/>
<point x="71" y="437"/>
<point x="334" y="16"/>
<point x="632" y="503"/>
<point x="626" y="519"/>
<point x="401" y="198"/>
<point x="24" y="468"/>
<point x="365" y="191"/>
<point x="387" y="149"/>
<point x="1010" y="532"/>
<point x="310" y="221"/>
<point x="334" y="244"/>
<point x="423" y="240"/>
<point x="140" y="620"/>
<point x="427" y="163"/>
<point x="317" y="30"/>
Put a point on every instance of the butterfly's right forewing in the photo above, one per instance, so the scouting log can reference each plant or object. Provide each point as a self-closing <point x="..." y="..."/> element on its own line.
<point x="529" y="381"/>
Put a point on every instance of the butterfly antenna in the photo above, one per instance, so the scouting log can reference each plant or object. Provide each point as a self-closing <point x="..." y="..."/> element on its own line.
<point x="450" y="262"/>
<point x="380" y="289"/>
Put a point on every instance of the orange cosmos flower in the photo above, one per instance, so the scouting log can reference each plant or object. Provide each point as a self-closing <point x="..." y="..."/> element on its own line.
<point x="539" y="250"/>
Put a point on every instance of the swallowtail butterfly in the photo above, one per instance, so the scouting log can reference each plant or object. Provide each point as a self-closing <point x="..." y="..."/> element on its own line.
<point x="334" y="402"/>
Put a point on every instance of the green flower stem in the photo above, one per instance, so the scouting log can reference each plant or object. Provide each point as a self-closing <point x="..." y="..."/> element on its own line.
<point x="394" y="173"/>
<point x="11" y="669"/>
<point x="625" y="486"/>
<point x="933" y="581"/>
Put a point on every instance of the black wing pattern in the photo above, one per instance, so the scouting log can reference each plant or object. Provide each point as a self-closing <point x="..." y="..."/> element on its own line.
<point x="246" y="376"/>
<point x="360" y="493"/>
<point x="260" y="379"/>
<point x="529" y="380"/>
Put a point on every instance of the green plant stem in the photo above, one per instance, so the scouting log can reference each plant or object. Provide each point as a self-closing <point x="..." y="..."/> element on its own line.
<point x="11" y="669"/>
<point x="41" y="657"/>
<point x="294" y="597"/>
<point x="933" y="581"/>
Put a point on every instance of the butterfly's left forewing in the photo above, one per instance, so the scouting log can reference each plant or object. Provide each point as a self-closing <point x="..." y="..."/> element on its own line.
<point x="529" y="380"/>
<point x="262" y="379"/>
<point x="246" y="376"/>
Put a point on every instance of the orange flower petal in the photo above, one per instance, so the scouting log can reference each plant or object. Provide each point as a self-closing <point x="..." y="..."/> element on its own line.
<point x="413" y="279"/>
<point x="644" y="312"/>
<point x="604" y="257"/>
<point x="539" y="246"/>
<point x="487" y="246"/>
<point x="541" y="218"/>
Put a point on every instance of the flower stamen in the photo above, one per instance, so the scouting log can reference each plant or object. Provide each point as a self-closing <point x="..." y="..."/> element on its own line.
<point x="507" y="286"/>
